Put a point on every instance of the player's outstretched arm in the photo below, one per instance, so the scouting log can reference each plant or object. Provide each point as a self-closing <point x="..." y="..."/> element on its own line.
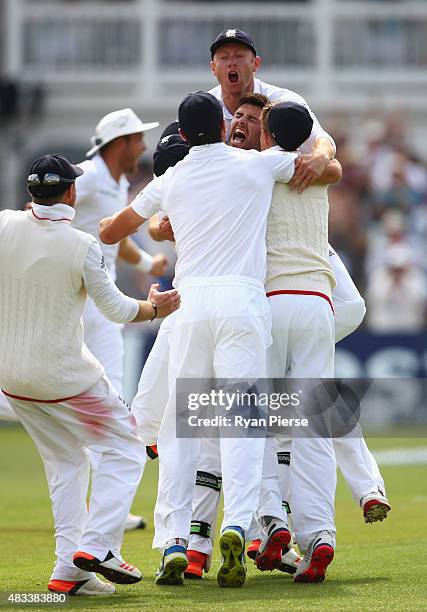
<point x="159" y="304"/>
<point x="119" y="226"/>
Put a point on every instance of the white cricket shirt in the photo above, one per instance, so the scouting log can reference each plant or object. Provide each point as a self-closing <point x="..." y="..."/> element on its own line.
<point x="217" y="199"/>
<point x="274" y="93"/>
<point x="99" y="195"/>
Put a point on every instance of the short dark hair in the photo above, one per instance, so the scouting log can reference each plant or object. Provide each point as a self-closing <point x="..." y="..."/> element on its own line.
<point x="256" y="99"/>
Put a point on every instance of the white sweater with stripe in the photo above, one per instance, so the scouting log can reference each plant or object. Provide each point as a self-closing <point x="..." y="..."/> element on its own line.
<point x="42" y="296"/>
<point x="297" y="241"/>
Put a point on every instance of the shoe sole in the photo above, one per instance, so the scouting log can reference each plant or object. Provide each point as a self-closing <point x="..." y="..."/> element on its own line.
<point x="190" y="576"/>
<point x="232" y="572"/>
<point x="172" y="573"/>
<point x="94" y="565"/>
<point x="375" y="511"/>
<point x="316" y="572"/>
<point x="65" y="587"/>
<point x="271" y="557"/>
<point x="82" y="592"/>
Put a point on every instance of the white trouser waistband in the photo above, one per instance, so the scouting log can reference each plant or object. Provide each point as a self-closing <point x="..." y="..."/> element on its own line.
<point x="221" y="281"/>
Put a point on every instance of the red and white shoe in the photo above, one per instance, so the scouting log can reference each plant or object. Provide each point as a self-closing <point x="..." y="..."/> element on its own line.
<point x="197" y="564"/>
<point x="375" y="507"/>
<point x="290" y="561"/>
<point x="277" y="537"/>
<point x="92" y="586"/>
<point x="111" y="567"/>
<point x="253" y="549"/>
<point x="318" y="556"/>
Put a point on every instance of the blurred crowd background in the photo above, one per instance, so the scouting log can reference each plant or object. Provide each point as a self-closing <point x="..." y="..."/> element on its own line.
<point x="361" y="65"/>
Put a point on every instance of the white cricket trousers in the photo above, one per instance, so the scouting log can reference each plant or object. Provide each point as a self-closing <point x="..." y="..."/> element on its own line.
<point x="303" y="348"/>
<point x="63" y="432"/>
<point x="222" y="330"/>
<point x="104" y="339"/>
<point x="149" y="403"/>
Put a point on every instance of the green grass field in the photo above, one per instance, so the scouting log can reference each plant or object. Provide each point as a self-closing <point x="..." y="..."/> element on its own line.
<point x="379" y="566"/>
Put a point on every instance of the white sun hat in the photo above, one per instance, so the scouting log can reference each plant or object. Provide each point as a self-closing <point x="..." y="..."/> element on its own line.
<point x="118" y="123"/>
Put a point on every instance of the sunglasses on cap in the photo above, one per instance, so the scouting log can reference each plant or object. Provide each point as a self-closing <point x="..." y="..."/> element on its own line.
<point x="49" y="179"/>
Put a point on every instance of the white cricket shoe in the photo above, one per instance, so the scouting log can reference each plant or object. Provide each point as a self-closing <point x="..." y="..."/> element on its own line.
<point x="134" y="521"/>
<point x="276" y="538"/>
<point x="92" y="586"/>
<point x="375" y="507"/>
<point x="318" y="556"/>
<point x="111" y="567"/>
<point x="290" y="561"/>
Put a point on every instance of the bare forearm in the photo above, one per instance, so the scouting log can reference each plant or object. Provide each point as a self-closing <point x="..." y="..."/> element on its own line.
<point x="146" y="312"/>
<point x="129" y="252"/>
<point x="324" y="149"/>
<point x="331" y="174"/>
<point x="121" y="225"/>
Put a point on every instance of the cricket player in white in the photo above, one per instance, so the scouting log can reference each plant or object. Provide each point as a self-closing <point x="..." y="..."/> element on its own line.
<point x="102" y="191"/>
<point x="216" y="198"/>
<point x="234" y="62"/>
<point x="353" y="457"/>
<point x="299" y="285"/>
<point x="55" y="385"/>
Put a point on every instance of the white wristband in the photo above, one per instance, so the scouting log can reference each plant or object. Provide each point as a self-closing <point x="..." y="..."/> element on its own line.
<point x="145" y="263"/>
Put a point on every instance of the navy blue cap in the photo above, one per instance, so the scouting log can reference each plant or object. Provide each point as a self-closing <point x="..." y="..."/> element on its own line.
<point x="172" y="128"/>
<point x="200" y="116"/>
<point x="290" y="124"/>
<point x="232" y="36"/>
<point x="169" y="151"/>
<point x="50" y="175"/>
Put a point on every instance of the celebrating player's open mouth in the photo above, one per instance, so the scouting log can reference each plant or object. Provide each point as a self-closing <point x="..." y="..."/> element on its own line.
<point x="238" y="136"/>
<point x="233" y="76"/>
